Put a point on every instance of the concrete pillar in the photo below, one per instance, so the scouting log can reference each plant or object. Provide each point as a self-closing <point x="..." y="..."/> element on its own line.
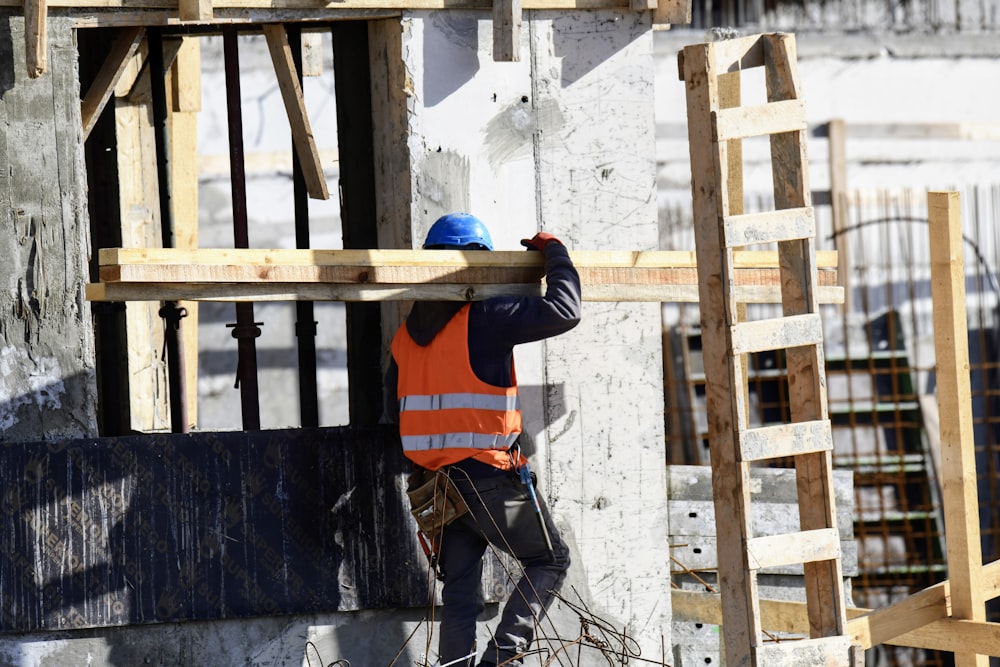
<point x="563" y="141"/>
<point x="47" y="386"/>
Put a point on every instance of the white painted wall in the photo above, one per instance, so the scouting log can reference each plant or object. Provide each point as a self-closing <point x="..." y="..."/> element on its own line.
<point x="563" y="141"/>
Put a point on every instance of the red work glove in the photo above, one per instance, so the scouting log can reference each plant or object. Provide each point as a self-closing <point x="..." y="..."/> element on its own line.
<point x="539" y="241"/>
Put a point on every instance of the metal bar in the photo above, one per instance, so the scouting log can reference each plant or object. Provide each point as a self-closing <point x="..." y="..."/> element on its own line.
<point x="245" y="331"/>
<point x="171" y="312"/>
<point x="305" y="317"/>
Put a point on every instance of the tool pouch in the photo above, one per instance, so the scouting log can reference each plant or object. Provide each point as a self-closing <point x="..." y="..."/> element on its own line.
<point x="434" y="500"/>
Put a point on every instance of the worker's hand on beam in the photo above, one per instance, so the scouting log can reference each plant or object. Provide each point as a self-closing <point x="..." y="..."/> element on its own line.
<point x="539" y="241"/>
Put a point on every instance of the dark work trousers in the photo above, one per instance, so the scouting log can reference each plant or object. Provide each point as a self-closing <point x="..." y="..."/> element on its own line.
<point x="501" y="513"/>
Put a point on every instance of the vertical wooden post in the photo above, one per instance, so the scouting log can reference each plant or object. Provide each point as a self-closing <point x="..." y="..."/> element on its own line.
<point x="958" y="458"/>
<point x="185" y="103"/>
<point x="36" y="37"/>
<point x="837" y="139"/>
<point x="507" y="31"/>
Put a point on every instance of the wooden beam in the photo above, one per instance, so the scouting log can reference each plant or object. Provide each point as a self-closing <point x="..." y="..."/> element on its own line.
<point x="507" y="30"/>
<point x="295" y="107"/>
<point x="236" y="292"/>
<point x="262" y="10"/>
<point x="154" y="265"/>
<point x="139" y="91"/>
<point x="642" y="5"/>
<point x="913" y="621"/>
<point x="107" y="78"/>
<point x="385" y="275"/>
<point x="186" y="77"/>
<point x="838" y="203"/>
<point x="958" y="456"/>
<point x="194" y="10"/>
<point x="941" y="634"/>
<point x="672" y="12"/>
<point x="36" y="37"/>
<point x="625" y="259"/>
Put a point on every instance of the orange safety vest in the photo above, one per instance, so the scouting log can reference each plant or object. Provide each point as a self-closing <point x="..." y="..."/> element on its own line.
<point x="446" y="413"/>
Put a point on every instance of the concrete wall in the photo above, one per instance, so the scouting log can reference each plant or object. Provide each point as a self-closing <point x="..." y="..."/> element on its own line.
<point x="563" y="141"/>
<point x="46" y="336"/>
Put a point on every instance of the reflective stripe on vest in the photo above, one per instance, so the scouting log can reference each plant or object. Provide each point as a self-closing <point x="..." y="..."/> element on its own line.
<point x="459" y="401"/>
<point x="421" y="443"/>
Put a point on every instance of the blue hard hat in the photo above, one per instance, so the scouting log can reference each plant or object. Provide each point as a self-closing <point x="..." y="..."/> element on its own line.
<point x="458" y="230"/>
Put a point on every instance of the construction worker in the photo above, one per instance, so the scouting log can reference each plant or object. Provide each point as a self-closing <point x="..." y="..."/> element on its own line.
<point x="453" y="372"/>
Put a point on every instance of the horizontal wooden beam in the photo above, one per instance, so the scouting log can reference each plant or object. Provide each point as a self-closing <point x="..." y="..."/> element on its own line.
<point x="920" y="620"/>
<point x="363" y="275"/>
<point x="91" y="13"/>
<point x="230" y="292"/>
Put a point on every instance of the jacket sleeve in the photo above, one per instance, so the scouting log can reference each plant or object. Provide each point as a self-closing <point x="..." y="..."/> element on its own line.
<point x="516" y="320"/>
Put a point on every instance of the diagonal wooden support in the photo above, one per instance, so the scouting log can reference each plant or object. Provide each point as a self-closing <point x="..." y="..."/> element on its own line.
<point x="958" y="457"/>
<point x="507" y="31"/>
<point x="107" y="78"/>
<point x="295" y="107"/>
<point x="36" y="37"/>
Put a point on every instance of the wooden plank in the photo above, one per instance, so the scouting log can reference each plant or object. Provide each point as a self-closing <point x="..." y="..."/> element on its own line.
<point x="194" y="10"/>
<point x="235" y="273"/>
<point x="186" y="76"/>
<point x="825" y="594"/>
<point x="257" y="11"/>
<point x="107" y="77"/>
<point x="760" y="120"/>
<point x="731" y="55"/>
<point x="410" y="292"/>
<point x="958" y="457"/>
<point x="456" y="258"/>
<point x="507" y="31"/>
<point x="139" y="90"/>
<point x="837" y="143"/>
<point x="777" y="333"/>
<point x="148" y="401"/>
<point x="780" y="440"/>
<point x="184" y="90"/>
<point x="921" y="620"/>
<point x="807" y="546"/>
<point x="697" y="553"/>
<point x="671" y="12"/>
<point x="36" y="40"/>
<point x="295" y="107"/>
<point x="769" y="227"/>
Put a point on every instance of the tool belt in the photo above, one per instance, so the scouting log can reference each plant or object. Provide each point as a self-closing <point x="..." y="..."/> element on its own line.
<point x="434" y="500"/>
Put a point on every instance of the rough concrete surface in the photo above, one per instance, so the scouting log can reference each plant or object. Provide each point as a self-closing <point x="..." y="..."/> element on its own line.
<point x="46" y="337"/>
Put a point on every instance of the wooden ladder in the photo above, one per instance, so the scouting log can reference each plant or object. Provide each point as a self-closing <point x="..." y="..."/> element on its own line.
<point x="716" y="126"/>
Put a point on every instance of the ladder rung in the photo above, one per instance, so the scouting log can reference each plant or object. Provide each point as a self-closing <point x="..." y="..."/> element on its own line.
<point x="777" y="333"/>
<point x="825" y="651"/>
<point x="807" y="546"/>
<point x="772" y="442"/>
<point x="787" y="224"/>
<point x="759" y="120"/>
